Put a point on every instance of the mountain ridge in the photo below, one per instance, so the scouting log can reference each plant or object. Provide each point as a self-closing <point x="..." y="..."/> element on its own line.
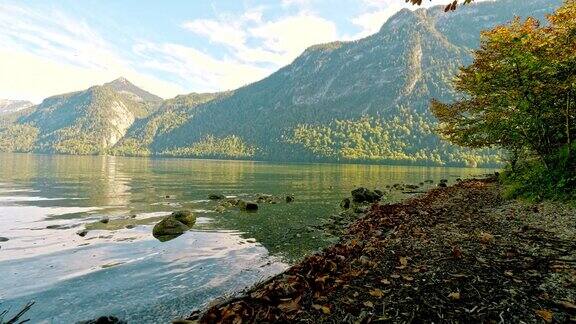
<point x="348" y="101"/>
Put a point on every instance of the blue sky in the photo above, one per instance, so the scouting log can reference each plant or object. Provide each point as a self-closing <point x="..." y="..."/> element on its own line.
<point x="168" y="47"/>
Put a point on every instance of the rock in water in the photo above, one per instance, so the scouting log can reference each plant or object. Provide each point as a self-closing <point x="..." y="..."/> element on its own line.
<point x="215" y="196"/>
<point x="82" y="233"/>
<point x="185" y="216"/>
<point x="169" y="228"/>
<point x="289" y="198"/>
<point x="104" y="320"/>
<point x="442" y="185"/>
<point x="361" y="195"/>
<point x="3" y="239"/>
<point x="345" y="203"/>
<point x="105" y="220"/>
<point x="248" y="205"/>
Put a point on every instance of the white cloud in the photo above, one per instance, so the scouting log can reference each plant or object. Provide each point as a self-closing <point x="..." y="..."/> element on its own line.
<point x="201" y="71"/>
<point x="250" y="42"/>
<point x="47" y="53"/>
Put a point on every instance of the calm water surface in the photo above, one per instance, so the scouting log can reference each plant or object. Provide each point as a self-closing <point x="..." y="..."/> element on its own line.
<point x="46" y="200"/>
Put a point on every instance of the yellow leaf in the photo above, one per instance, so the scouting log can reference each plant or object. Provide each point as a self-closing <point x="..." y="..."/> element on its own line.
<point x="403" y="261"/>
<point x="377" y="293"/>
<point x="385" y="281"/>
<point x="486" y="237"/>
<point x="407" y="278"/>
<point x="369" y="304"/>
<point x="324" y="309"/>
<point x="454" y="296"/>
<point x="545" y="314"/>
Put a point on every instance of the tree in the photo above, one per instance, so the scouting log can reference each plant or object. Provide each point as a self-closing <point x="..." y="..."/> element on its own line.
<point x="520" y="92"/>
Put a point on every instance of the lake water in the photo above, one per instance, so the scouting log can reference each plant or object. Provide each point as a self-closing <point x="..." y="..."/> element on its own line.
<point x="46" y="200"/>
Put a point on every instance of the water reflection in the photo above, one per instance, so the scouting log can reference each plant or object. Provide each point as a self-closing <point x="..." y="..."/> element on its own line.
<point x="119" y="268"/>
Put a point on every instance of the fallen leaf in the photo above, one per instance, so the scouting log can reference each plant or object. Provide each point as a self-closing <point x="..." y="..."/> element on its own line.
<point x="403" y="261"/>
<point x="394" y="276"/>
<point x="456" y="252"/>
<point x="486" y="238"/>
<point x="385" y="281"/>
<point x="290" y="306"/>
<point x="407" y="278"/>
<point x="454" y="296"/>
<point x="545" y="314"/>
<point x="567" y="305"/>
<point x="377" y="293"/>
<point x="324" y="309"/>
<point x="369" y="304"/>
<point x="508" y="273"/>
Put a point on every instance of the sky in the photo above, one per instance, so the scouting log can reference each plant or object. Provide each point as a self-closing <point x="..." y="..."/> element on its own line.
<point x="48" y="47"/>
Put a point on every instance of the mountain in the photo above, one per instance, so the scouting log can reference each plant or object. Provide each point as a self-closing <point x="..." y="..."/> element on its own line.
<point x="84" y="122"/>
<point x="360" y="101"/>
<point x="365" y="100"/>
<point x="12" y="106"/>
<point x="171" y="114"/>
<point x="123" y="86"/>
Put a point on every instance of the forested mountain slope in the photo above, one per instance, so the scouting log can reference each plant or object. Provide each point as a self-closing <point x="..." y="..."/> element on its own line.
<point x="365" y="100"/>
<point x="84" y="122"/>
<point x="358" y="101"/>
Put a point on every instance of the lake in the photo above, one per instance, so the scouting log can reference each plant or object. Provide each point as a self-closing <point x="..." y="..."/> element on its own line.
<point x="114" y="270"/>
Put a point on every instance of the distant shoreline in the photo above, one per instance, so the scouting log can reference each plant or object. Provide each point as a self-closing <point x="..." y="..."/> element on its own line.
<point x="380" y="163"/>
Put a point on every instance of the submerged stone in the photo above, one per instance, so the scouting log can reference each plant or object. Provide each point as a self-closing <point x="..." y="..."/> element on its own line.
<point x="289" y="198"/>
<point x="104" y="320"/>
<point x="82" y="233"/>
<point x="3" y="239"/>
<point x="216" y="196"/>
<point x="345" y="203"/>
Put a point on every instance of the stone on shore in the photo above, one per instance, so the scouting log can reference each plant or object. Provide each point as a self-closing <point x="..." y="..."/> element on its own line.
<point x="345" y="203"/>
<point x="362" y="194"/>
<point x="247" y="205"/>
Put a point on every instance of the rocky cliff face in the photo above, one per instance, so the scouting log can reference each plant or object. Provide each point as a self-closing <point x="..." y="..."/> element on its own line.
<point x="359" y="101"/>
<point x="12" y="106"/>
<point x="365" y="100"/>
<point x="84" y="122"/>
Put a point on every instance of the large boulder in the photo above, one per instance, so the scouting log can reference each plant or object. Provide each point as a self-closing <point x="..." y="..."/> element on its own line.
<point x="169" y="228"/>
<point x="185" y="217"/>
<point x="361" y="195"/>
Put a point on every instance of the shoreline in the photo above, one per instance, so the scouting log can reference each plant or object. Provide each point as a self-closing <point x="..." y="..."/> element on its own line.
<point x="455" y="254"/>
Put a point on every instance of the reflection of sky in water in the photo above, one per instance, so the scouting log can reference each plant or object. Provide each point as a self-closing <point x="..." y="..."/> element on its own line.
<point x="151" y="282"/>
<point x="128" y="273"/>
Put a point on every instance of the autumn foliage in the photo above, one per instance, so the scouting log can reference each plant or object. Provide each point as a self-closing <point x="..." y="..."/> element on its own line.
<point x="519" y="94"/>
